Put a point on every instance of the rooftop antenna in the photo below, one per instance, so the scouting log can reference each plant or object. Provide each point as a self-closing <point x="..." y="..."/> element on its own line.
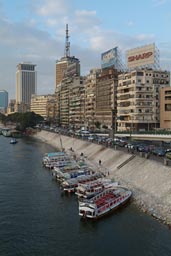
<point x="67" y="43"/>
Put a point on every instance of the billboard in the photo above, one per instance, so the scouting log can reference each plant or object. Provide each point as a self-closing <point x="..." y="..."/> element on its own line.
<point x="72" y="69"/>
<point x="109" y="58"/>
<point x="141" y="57"/>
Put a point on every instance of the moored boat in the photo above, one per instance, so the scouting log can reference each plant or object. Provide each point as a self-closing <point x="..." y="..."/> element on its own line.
<point x="70" y="185"/>
<point x="104" y="203"/>
<point x="13" y="141"/>
<point x="92" y="188"/>
<point x="53" y="158"/>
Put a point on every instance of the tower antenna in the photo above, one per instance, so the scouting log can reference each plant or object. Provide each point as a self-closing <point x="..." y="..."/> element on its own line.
<point x="67" y="43"/>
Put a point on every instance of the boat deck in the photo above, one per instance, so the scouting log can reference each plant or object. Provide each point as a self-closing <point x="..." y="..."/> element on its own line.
<point x="106" y="199"/>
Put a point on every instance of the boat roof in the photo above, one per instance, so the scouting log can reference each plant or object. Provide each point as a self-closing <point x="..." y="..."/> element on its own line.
<point x="51" y="154"/>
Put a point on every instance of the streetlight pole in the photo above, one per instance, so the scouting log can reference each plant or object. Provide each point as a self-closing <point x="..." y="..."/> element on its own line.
<point x="113" y="126"/>
<point x="131" y="127"/>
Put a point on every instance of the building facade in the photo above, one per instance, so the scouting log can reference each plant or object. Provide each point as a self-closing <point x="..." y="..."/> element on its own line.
<point x="3" y="101"/>
<point x="77" y="103"/>
<point x="26" y="82"/>
<point x="90" y="98"/>
<point x="11" y="106"/>
<point x="138" y="95"/>
<point x="67" y="67"/>
<point x="40" y="104"/>
<point x="106" y="88"/>
<point x="165" y="108"/>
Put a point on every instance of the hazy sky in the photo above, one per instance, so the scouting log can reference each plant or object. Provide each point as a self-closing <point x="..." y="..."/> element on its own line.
<point x="34" y="31"/>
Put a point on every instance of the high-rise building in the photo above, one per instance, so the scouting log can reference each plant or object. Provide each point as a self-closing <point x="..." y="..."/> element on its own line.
<point x="90" y="98"/>
<point x="3" y="100"/>
<point x="67" y="66"/>
<point x="138" y="99"/>
<point x="106" y="87"/>
<point x="26" y="82"/>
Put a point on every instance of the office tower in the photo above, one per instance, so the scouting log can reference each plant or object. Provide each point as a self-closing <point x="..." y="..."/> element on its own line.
<point x="67" y="66"/>
<point x="3" y="100"/>
<point x="26" y="82"/>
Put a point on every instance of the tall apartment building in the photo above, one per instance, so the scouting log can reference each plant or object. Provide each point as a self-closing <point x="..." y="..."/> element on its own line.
<point x="26" y="82"/>
<point x="40" y="105"/>
<point x="64" y="102"/>
<point x="57" y="95"/>
<point x="106" y="88"/>
<point x="138" y="105"/>
<point x="90" y="98"/>
<point x="77" y="102"/>
<point x="3" y="101"/>
<point x="165" y="108"/>
<point x="72" y="102"/>
<point x="67" y="66"/>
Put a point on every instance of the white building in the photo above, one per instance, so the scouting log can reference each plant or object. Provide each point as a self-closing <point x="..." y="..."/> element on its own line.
<point x="26" y="82"/>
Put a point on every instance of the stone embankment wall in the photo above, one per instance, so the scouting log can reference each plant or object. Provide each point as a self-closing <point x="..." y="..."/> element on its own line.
<point x="149" y="180"/>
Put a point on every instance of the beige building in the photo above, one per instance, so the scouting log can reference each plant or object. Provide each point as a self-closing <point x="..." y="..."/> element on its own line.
<point x="106" y="88"/>
<point x="66" y="67"/>
<point x="40" y="104"/>
<point x="77" y="103"/>
<point x="138" y="105"/>
<point x="58" y="95"/>
<point x="72" y="102"/>
<point x="165" y="108"/>
<point x="64" y="102"/>
<point x="90" y="98"/>
<point x="11" y="107"/>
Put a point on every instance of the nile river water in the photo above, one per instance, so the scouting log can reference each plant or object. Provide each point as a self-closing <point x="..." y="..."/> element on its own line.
<point x="37" y="219"/>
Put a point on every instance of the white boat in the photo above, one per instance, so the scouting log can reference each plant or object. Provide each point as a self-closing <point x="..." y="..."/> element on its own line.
<point x="92" y="188"/>
<point x="13" y="141"/>
<point x="104" y="203"/>
<point x="70" y="185"/>
<point x="73" y="174"/>
<point x="52" y="159"/>
<point x="66" y="172"/>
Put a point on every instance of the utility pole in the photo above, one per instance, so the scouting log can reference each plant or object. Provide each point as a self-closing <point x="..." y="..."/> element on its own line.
<point x="113" y="126"/>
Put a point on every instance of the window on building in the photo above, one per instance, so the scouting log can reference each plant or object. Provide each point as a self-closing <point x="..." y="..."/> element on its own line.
<point x="167" y="107"/>
<point x="140" y="73"/>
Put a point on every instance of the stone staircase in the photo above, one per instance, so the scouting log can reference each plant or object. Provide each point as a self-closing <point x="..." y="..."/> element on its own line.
<point x="125" y="162"/>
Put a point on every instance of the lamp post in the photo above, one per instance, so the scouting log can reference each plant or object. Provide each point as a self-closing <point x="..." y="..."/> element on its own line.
<point x="113" y="126"/>
<point x="131" y="127"/>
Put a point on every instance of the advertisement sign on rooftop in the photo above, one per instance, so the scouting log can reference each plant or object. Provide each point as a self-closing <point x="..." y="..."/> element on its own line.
<point x="141" y="57"/>
<point x="109" y="58"/>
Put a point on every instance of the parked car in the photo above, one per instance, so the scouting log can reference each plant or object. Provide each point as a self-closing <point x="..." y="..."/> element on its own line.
<point x="168" y="155"/>
<point x="159" y="151"/>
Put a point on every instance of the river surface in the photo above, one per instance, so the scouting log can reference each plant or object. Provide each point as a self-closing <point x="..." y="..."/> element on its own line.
<point x="37" y="219"/>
